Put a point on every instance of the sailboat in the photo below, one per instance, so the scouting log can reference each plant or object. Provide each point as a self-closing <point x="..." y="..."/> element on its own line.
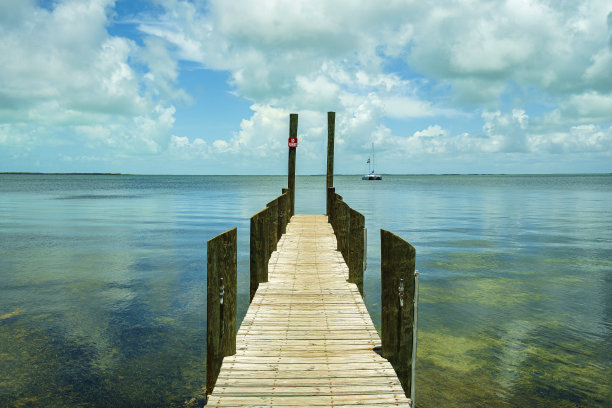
<point x="371" y="172"/>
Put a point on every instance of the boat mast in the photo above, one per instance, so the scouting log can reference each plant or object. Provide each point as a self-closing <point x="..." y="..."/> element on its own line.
<point x="373" y="167"/>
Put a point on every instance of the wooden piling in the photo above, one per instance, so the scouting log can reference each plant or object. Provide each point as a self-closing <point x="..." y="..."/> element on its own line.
<point x="287" y="209"/>
<point x="289" y="214"/>
<point x="336" y="220"/>
<point x="221" y="271"/>
<point x="336" y="198"/>
<point x="331" y="195"/>
<point x="293" y="125"/>
<point x="356" y="248"/>
<point x="259" y="252"/>
<point x="343" y="222"/>
<point x="282" y="214"/>
<point x="273" y="226"/>
<point x="331" y="126"/>
<point x="397" y="271"/>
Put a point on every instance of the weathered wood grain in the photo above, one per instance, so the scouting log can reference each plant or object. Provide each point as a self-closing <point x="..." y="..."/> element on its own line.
<point x="220" y="317"/>
<point x="343" y="223"/>
<point x="282" y="214"/>
<point x="356" y="243"/>
<point x="293" y="126"/>
<point x="331" y="195"/>
<point x="273" y="225"/>
<point x="289" y="208"/>
<point x="397" y="263"/>
<point x="259" y="251"/>
<point x="331" y="128"/>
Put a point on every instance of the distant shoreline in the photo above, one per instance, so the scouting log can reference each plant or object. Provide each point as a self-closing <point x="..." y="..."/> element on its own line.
<point x="64" y="174"/>
<point x="300" y="175"/>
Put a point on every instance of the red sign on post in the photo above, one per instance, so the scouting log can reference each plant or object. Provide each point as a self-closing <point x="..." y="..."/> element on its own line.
<point x="293" y="142"/>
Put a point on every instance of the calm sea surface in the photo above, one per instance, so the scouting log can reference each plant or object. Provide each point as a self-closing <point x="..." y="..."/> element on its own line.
<point x="102" y="283"/>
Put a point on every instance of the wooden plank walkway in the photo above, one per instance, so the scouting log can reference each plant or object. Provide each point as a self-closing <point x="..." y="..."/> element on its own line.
<point x="307" y="338"/>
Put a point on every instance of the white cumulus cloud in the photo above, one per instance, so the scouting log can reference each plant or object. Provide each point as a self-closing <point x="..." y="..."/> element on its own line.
<point x="64" y="80"/>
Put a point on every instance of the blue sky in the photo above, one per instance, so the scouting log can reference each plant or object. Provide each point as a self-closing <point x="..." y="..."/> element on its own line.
<point x="206" y="87"/>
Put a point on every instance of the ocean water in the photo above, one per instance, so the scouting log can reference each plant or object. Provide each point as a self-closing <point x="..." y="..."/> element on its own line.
<point x="102" y="283"/>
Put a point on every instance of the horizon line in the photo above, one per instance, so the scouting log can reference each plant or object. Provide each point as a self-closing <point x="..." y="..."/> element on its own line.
<point x="297" y="175"/>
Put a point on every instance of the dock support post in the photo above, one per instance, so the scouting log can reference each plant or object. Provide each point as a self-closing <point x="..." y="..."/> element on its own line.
<point x="293" y="125"/>
<point x="273" y="225"/>
<point x="343" y="224"/>
<point x="335" y="202"/>
<point x="259" y="252"/>
<point x="356" y="251"/>
<point x="331" y="195"/>
<point x="288" y="214"/>
<point x="282" y="214"/>
<point x="221" y="271"/>
<point x="331" y="127"/>
<point x="397" y="271"/>
<point x="288" y="206"/>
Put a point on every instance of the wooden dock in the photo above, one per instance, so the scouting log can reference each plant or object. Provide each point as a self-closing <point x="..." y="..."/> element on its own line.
<point x="307" y="338"/>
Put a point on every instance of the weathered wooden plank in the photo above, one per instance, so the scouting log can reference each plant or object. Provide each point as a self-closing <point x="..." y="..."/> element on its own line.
<point x="314" y="348"/>
<point x="310" y="390"/>
<point x="302" y="326"/>
<point x="324" y="376"/>
<point x="335" y="405"/>
<point x="360" y="360"/>
<point x="374" y="404"/>
<point x="298" y="356"/>
<point x="308" y="381"/>
<point x="301" y="401"/>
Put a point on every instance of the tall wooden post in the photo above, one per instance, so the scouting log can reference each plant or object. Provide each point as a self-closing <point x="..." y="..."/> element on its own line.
<point x="331" y="127"/>
<point x="356" y="244"/>
<point x="293" y="125"/>
<point x="221" y="271"/>
<point x="397" y="300"/>
<point x="259" y="252"/>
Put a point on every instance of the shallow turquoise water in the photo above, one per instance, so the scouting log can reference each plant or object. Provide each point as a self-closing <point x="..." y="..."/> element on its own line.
<point x="102" y="300"/>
